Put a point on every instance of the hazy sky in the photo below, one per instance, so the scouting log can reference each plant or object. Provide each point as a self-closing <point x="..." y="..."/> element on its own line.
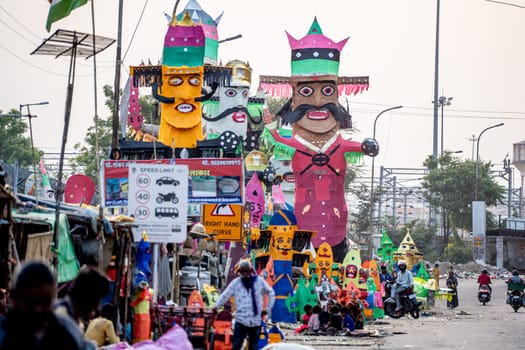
<point x="482" y="58"/>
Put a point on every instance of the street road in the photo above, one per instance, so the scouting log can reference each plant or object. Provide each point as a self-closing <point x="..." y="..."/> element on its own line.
<point x="470" y="326"/>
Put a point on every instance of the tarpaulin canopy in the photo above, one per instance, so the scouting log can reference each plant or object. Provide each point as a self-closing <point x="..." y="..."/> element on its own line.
<point x="68" y="265"/>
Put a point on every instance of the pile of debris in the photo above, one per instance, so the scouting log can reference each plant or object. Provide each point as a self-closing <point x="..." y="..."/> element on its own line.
<point x="473" y="269"/>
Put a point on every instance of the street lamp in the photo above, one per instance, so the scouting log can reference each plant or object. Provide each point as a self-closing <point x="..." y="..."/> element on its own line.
<point x="373" y="166"/>
<point x="30" y="116"/>
<point x="477" y="156"/>
<point x="442" y="102"/>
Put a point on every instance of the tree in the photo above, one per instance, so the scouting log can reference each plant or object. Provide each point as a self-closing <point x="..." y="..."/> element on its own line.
<point x="15" y="145"/>
<point x="362" y="217"/>
<point x="450" y="186"/>
<point x="87" y="150"/>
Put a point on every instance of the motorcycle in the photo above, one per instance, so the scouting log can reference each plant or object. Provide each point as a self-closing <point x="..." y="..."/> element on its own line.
<point x="484" y="294"/>
<point x="167" y="197"/>
<point x="515" y="299"/>
<point x="409" y="305"/>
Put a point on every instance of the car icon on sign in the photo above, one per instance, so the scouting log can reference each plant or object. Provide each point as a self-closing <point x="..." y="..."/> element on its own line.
<point x="166" y="180"/>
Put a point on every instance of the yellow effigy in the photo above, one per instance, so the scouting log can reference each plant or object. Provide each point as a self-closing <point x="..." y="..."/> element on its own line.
<point x="408" y="251"/>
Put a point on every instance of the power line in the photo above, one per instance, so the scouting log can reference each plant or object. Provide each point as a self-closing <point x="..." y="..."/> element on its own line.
<point x="506" y="3"/>
<point x="430" y="108"/>
<point x="19" y="34"/>
<point x="20" y="23"/>
<point x="135" y="30"/>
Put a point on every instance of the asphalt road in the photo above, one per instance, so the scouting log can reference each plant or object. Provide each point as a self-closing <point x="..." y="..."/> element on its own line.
<point x="470" y="326"/>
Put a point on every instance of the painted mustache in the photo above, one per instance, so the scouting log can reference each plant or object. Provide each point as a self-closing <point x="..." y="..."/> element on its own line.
<point x="339" y="113"/>
<point x="230" y="111"/>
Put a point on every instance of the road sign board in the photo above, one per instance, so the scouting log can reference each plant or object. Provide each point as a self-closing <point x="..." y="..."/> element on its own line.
<point x="224" y="220"/>
<point x="158" y="200"/>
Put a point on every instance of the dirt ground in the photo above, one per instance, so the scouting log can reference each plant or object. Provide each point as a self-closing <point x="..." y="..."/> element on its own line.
<point x="470" y="326"/>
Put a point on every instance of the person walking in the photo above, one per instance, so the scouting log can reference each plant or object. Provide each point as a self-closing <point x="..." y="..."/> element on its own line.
<point x="452" y="283"/>
<point x="30" y="322"/>
<point x="435" y="274"/>
<point x="248" y="290"/>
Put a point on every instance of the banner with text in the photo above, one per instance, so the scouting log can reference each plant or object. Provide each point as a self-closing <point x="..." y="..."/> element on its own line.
<point x="211" y="180"/>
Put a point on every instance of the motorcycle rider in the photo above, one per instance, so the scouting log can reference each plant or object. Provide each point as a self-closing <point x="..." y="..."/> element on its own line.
<point x="404" y="281"/>
<point x="484" y="278"/>
<point x="515" y="282"/>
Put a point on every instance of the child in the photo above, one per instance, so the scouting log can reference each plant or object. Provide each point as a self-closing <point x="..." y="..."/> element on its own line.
<point x="348" y="322"/>
<point x="306" y="317"/>
<point x="263" y="335"/>
<point x="275" y="335"/>
<point x="336" y="321"/>
<point x="313" y="322"/>
<point x="324" y="317"/>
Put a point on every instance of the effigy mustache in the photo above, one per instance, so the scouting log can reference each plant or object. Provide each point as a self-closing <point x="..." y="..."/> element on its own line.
<point x="337" y="111"/>
<point x="226" y="113"/>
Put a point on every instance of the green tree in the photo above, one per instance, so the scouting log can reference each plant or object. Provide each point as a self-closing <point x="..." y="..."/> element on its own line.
<point x="86" y="159"/>
<point x="15" y="144"/>
<point x="361" y="218"/>
<point x="450" y="186"/>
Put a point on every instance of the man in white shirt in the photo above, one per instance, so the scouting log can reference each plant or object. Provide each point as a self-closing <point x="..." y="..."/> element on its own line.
<point x="248" y="290"/>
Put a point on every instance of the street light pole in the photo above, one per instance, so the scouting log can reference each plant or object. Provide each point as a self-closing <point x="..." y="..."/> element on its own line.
<point x="443" y="101"/>
<point x="29" y="116"/>
<point x="373" y="167"/>
<point x="477" y="157"/>
<point x="436" y="83"/>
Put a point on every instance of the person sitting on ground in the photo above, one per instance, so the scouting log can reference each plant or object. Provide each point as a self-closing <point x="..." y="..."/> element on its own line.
<point x="336" y="321"/>
<point x="348" y="322"/>
<point x="324" y="317"/>
<point x="30" y="322"/>
<point x="306" y="317"/>
<point x="404" y="281"/>
<point x="89" y="287"/>
<point x="484" y="278"/>
<point x="313" y="322"/>
<point x="101" y="329"/>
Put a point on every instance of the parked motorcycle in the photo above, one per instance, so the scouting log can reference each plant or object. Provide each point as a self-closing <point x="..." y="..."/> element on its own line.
<point x="484" y="294"/>
<point x="515" y="299"/>
<point x="409" y="305"/>
<point x="167" y="197"/>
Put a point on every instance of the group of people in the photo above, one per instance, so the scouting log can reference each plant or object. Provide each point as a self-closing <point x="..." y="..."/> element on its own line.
<point x="332" y="319"/>
<point x="36" y="319"/>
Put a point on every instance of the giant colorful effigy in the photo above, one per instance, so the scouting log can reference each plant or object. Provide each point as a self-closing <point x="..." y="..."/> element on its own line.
<point x="317" y="150"/>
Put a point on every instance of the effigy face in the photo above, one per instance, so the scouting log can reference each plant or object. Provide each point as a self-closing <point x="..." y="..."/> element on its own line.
<point x="315" y="103"/>
<point x="184" y="85"/>
<point x="324" y="260"/>
<point x="184" y="114"/>
<point x="281" y="243"/>
<point x="233" y="113"/>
